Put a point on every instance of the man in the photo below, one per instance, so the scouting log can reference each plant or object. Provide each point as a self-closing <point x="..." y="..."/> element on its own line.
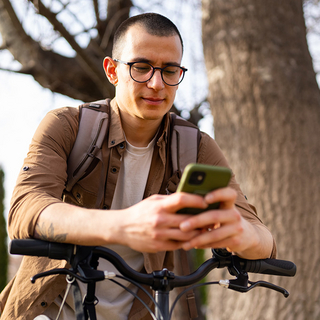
<point x="145" y="70"/>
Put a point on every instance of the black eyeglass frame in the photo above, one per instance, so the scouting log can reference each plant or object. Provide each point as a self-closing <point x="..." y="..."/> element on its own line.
<point x="130" y="64"/>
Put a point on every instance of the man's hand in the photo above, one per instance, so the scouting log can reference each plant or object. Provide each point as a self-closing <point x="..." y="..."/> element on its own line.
<point x="226" y="228"/>
<point x="152" y="225"/>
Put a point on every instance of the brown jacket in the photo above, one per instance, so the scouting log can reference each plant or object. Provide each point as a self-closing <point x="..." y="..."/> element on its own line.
<point x="41" y="182"/>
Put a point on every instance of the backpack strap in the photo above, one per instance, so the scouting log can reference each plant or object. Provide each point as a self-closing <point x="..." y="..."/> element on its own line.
<point x="183" y="258"/>
<point x="182" y="149"/>
<point x="185" y="138"/>
<point x="93" y="126"/>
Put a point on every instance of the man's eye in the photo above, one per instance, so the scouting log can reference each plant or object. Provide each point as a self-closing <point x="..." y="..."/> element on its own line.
<point x="170" y="71"/>
<point x="141" y="68"/>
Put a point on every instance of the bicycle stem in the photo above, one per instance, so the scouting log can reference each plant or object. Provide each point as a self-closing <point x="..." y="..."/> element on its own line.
<point x="162" y="300"/>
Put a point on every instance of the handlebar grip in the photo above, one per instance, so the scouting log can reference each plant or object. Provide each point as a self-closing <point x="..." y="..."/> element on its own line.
<point x="271" y="266"/>
<point x="52" y="250"/>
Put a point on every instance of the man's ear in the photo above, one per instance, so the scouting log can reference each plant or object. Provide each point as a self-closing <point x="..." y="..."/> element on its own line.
<point x="109" y="66"/>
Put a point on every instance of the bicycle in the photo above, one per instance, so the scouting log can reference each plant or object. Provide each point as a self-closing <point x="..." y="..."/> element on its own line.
<point x="84" y="262"/>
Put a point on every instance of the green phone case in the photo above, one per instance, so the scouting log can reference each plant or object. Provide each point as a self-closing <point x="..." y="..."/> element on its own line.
<point x="201" y="179"/>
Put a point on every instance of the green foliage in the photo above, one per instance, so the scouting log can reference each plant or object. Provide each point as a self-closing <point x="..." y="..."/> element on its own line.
<point x="3" y="237"/>
<point x="198" y="257"/>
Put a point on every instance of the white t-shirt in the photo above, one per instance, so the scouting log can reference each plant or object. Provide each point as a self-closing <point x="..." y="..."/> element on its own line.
<point x="115" y="302"/>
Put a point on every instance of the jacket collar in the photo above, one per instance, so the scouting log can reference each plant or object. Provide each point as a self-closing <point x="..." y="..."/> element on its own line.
<point x="116" y="135"/>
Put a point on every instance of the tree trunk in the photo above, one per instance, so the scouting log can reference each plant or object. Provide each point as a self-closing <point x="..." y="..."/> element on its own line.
<point x="266" y="107"/>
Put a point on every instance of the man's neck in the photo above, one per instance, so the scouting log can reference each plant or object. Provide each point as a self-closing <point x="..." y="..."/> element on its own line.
<point x="140" y="132"/>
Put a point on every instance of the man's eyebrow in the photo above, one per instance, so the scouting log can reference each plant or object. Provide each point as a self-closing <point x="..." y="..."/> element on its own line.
<point x="142" y="59"/>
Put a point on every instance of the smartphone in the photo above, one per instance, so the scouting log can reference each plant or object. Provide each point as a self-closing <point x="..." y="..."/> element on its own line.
<point x="200" y="179"/>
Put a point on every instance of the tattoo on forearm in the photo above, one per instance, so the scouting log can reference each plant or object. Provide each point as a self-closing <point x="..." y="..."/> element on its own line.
<point x="44" y="233"/>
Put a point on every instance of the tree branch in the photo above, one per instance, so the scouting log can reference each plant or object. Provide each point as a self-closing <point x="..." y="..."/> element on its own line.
<point x="11" y="70"/>
<point x="112" y="25"/>
<point x="118" y="11"/>
<point x="85" y="61"/>
<point x="13" y="35"/>
<point x="96" y="11"/>
<point x="51" y="70"/>
<point x="79" y="77"/>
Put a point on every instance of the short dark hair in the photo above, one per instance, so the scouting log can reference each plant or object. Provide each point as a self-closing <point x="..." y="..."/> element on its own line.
<point x="154" y="23"/>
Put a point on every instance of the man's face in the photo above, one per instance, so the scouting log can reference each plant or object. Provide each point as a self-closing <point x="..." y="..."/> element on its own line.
<point x="152" y="99"/>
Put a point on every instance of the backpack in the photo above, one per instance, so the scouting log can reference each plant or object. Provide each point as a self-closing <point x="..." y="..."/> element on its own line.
<point x="93" y="126"/>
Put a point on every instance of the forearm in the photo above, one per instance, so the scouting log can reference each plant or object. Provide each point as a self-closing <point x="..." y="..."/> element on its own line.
<point x="62" y="222"/>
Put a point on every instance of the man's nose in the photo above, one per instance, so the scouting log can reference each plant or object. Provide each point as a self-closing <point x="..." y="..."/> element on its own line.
<point x="156" y="81"/>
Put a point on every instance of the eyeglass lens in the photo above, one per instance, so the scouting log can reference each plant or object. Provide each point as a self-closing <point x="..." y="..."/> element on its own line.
<point x="142" y="72"/>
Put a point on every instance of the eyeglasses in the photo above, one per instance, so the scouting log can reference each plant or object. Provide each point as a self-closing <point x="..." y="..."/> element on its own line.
<point x="143" y="71"/>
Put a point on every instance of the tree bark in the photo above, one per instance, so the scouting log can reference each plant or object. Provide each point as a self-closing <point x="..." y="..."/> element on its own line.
<point x="266" y="107"/>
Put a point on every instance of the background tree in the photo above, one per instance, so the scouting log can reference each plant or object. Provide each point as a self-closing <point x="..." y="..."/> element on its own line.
<point x="3" y="237"/>
<point x="266" y="106"/>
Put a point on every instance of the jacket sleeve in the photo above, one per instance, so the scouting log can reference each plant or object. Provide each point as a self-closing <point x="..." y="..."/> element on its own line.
<point x="42" y="179"/>
<point x="210" y="153"/>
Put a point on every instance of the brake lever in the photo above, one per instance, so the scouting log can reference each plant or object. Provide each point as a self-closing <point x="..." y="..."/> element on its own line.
<point x="54" y="272"/>
<point x="233" y="285"/>
<point x="269" y="285"/>
<point x="88" y="275"/>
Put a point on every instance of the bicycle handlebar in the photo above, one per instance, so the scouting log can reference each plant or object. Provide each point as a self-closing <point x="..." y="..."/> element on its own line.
<point x="69" y="252"/>
<point x="269" y="266"/>
<point x="84" y="260"/>
<point x="52" y="250"/>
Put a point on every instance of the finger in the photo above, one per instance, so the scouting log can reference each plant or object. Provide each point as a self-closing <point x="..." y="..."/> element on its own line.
<point x="219" y="238"/>
<point x="231" y="244"/>
<point x="209" y="218"/>
<point x="176" y="235"/>
<point x="226" y="197"/>
<point x="164" y="232"/>
<point x="164" y="220"/>
<point x="182" y="200"/>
